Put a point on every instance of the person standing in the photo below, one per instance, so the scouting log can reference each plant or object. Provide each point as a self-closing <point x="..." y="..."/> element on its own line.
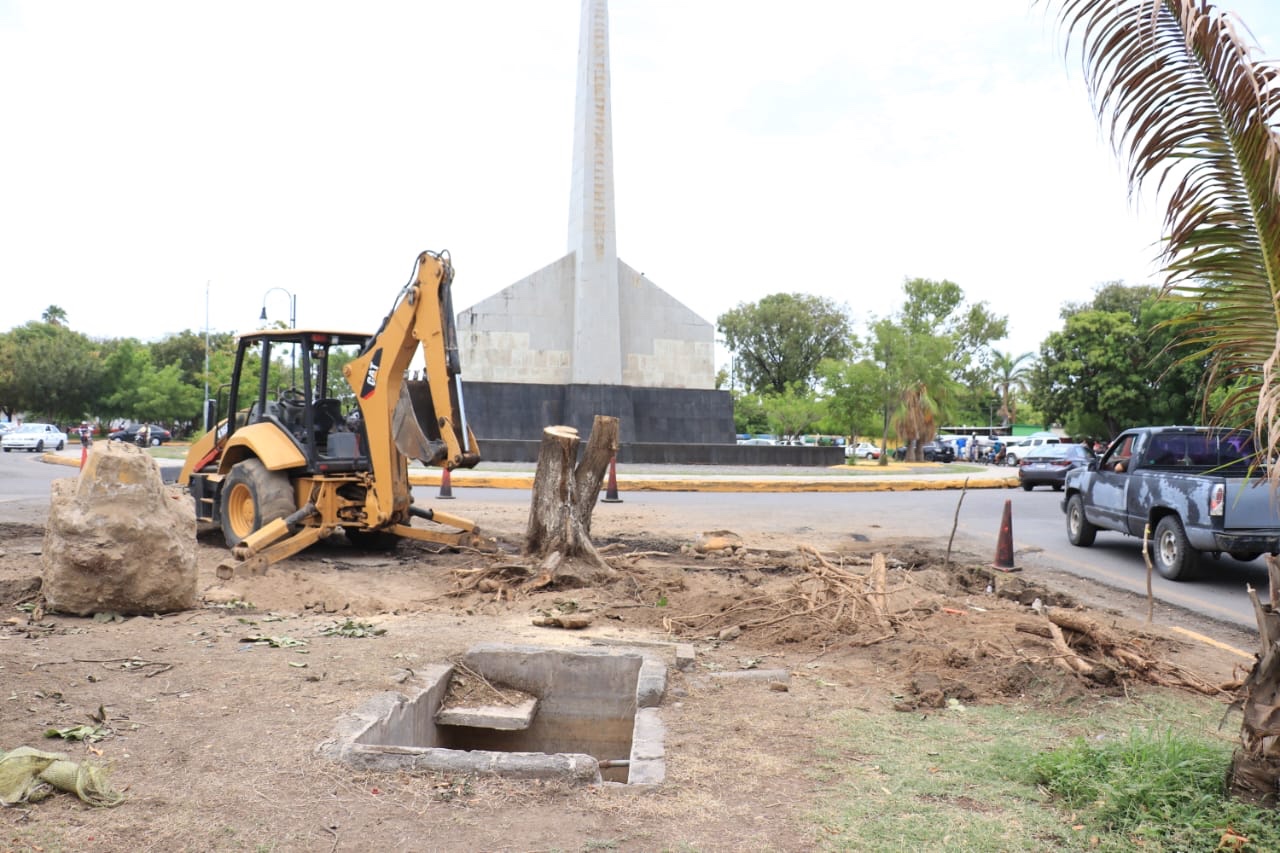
<point x="144" y="436"/>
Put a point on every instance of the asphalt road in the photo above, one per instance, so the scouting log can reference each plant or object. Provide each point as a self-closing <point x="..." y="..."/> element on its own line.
<point x="1115" y="562"/>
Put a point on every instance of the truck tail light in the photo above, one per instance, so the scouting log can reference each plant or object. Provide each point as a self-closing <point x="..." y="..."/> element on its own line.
<point x="1217" y="499"/>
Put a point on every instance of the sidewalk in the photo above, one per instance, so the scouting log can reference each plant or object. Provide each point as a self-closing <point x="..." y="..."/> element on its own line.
<point x="863" y="477"/>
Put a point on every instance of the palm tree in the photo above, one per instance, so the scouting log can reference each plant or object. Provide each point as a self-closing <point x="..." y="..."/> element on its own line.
<point x="54" y="316"/>
<point x="1011" y="373"/>
<point x="1176" y="82"/>
<point x="916" y="420"/>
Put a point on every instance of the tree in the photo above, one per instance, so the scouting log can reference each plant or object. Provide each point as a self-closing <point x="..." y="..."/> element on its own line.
<point x="186" y="349"/>
<point x="1176" y="82"/>
<point x="1011" y="376"/>
<point x="793" y="412"/>
<point x="49" y="371"/>
<point x="1115" y="365"/>
<point x="854" y="395"/>
<point x="781" y="339"/>
<point x="932" y="352"/>
<point x="54" y="316"/>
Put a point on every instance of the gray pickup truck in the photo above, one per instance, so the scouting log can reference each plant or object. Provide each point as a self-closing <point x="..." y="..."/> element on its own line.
<point x="1194" y="487"/>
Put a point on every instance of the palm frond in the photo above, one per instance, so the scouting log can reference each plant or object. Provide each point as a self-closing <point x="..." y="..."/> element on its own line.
<point x="1195" y="113"/>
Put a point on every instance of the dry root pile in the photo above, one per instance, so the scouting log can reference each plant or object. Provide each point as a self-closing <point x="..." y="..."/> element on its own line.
<point x="827" y="598"/>
<point x="1093" y="652"/>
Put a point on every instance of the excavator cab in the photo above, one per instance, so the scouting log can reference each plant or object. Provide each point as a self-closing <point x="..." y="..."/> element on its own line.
<point x="292" y="381"/>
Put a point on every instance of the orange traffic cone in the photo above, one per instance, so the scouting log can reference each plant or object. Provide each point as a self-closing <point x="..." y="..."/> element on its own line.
<point x="1004" y="545"/>
<point x="446" y="487"/>
<point x="611" y="491"/>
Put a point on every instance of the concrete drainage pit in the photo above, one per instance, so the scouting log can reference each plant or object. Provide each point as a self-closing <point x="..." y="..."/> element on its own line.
<point x="586" y="716"/>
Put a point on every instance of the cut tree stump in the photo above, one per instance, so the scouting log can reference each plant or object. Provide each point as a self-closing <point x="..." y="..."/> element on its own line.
<point x="564" y="496"/>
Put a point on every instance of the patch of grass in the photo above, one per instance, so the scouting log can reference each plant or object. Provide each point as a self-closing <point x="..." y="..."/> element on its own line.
<point x="1109" y="775"/>
<point x="1158" y="786"/>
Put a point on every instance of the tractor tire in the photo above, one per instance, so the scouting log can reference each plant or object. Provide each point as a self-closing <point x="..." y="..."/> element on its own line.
<point x="1080" y="532"/>
<point x="1172" y="554"/>
<point x="253" y="497"/>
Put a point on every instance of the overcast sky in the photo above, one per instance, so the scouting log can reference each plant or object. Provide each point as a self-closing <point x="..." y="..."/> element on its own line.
<point x="837" y="148"/>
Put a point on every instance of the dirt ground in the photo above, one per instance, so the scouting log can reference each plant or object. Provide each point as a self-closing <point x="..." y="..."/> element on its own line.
<point x="210" y="719"/>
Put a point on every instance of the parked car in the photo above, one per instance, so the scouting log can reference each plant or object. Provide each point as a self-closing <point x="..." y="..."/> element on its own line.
<point x="932" y="451"/>
<point x="756" y="442"/>
<point x="159" y="435"/>
<point x="1049" y="464"/>
<point x="864" y="450"/>
<point x="1021" y="449"/>
<point x="36" y="438"/>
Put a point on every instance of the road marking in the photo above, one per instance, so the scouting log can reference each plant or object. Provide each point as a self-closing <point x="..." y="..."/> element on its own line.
<point x="1215" y="643"/>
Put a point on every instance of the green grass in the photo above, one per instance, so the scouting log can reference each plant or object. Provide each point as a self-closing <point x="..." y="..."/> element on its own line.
<point x="1101" y="776"/>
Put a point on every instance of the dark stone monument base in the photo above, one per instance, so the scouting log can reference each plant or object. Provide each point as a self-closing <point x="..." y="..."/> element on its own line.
<point x="513" y="450"/>
<point x="520" y="411"/>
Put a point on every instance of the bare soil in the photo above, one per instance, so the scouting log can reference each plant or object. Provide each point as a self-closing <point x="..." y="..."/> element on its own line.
<point x="213" y="716"/>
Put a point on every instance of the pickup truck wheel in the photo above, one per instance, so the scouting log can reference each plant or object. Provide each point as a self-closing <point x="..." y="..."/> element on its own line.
<point x="1174" y="558"/>
<point x="1079" y="531"/>
<point x="1026" y="487"/>
<point x="1011" y="460"/>
<point x="252" y="497"/>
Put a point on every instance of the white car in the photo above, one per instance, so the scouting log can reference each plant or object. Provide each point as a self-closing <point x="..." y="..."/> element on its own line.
<point x="34" y="437"/>
<point x="1020" y="450"/>
<point x="864" y="450"/>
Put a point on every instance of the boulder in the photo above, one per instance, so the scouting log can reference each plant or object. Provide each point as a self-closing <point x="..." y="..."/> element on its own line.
<point x="119" y="540"/>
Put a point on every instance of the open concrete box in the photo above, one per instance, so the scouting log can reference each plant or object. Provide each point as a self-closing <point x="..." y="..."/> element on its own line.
<point x="595" y="719"/>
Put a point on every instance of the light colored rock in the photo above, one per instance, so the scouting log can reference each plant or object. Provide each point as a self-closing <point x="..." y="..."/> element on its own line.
<point x="119" y="540"/>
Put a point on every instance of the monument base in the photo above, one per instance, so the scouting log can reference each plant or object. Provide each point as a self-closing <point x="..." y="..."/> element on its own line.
<point x="520" y="411"/>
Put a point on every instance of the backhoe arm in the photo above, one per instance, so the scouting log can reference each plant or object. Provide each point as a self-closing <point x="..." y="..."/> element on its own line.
<point x="432" y="425"/>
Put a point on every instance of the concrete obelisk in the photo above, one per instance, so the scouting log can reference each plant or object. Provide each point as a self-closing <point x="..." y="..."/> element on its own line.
<point x="597" y="355"/>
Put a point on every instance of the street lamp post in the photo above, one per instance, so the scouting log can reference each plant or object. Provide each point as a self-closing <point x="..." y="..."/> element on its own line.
<point x="293" y="306"/>
<point x="293" y="324"/>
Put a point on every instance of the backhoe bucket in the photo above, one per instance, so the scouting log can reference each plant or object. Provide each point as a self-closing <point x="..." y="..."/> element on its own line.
<point x="413" y="425"/>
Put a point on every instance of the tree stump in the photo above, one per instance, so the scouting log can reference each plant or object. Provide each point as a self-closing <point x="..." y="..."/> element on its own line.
<point x="1254" y="775"/>
<point x="564" y="496"/>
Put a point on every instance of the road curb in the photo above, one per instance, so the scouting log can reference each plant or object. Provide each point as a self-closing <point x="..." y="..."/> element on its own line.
<point x="778" y="485"/>
<point x="794" y="485"/>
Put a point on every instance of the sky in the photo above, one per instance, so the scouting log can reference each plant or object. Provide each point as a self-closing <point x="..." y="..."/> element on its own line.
<point x="179" y="165"/>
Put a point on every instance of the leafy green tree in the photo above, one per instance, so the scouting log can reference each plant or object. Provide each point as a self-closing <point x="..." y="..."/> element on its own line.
<point x="186" y="349"/>
<point x="793" y="412"/>
<point x="1178" y="85"/>
<point x="1114" y="365"/>
<point x="854" y="392"/>
<point x="749" y="417"/>
<point x="54" y="316"/>
<point x="781" y="340"/>
<point x="932" y="354"/>
<point x="49" y="372"/>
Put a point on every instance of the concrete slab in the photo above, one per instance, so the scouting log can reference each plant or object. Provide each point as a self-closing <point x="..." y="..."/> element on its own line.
<point x="501" y="717"/>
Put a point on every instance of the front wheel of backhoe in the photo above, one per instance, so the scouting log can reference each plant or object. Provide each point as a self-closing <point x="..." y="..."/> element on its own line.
<point x="252" y="497"/>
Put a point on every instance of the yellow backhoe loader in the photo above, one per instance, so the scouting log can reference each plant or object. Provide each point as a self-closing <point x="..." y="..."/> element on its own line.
<point x="294" y="460"/>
